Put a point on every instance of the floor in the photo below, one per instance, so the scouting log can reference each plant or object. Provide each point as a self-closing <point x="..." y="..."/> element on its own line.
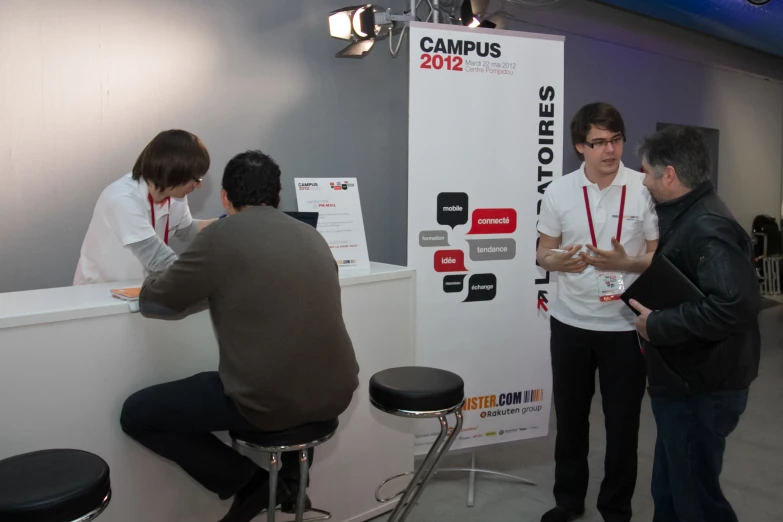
<point x="753" y="467"/>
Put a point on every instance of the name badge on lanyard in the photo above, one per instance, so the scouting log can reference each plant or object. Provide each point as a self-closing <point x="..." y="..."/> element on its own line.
<point x="152" y="209"/>
<point x="610" y="284"/>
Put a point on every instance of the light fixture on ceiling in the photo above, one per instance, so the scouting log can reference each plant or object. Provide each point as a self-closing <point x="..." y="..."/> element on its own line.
<point x="357" y="24"/>
<point x="358" y="49"/>
<point x="500" y="19"/>
<point x="470" y="13"/>
<point x="363" y="25"/>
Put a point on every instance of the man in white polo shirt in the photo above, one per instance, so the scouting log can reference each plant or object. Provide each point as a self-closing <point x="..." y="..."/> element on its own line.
<point x="134" y="217"/>
<point x="605" y="207"/>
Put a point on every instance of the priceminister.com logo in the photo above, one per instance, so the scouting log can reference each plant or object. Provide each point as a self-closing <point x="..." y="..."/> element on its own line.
<point x="505" y="399"/>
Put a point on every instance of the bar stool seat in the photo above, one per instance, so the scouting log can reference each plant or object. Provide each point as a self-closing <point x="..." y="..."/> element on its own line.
<point x="275" y="443"/>
<point x="292" y="437"/>
<point x="56" y="485"/>
<point x="416" y="388"/>
<point x="420" y="393"/>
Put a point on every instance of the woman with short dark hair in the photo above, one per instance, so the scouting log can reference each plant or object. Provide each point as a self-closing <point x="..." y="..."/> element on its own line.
<point x="129" y="232"/>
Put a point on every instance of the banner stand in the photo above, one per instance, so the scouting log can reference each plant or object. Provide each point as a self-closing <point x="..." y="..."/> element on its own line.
<point x="481" y="298"/>
<point x="472" y="478"/>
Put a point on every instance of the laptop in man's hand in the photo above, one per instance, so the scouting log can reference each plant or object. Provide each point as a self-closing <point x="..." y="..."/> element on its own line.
<point x="661" y="286"/>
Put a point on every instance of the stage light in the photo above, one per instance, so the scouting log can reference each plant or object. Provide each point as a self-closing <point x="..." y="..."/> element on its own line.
<point x="340" y="25"/>
<point x="363" y="25"/>
<point x="353" y="23"/>
<point x="470" y="12"/>
<point x="479" y="8"/>
<point x="363" y="22"/>
<point x="758" y="2"/>
<point x="358" y="49"/>
<point x="499" y="19"/>
<point x="356" y="24"/>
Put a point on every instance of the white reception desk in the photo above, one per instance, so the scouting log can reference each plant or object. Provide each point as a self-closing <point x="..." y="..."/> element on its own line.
<point x="69" y="357"/>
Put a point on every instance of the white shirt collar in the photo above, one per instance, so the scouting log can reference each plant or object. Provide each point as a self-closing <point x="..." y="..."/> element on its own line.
<point x="621" y="179"/>
<point x="144" y="189"/>
<point x="162" y="208"/>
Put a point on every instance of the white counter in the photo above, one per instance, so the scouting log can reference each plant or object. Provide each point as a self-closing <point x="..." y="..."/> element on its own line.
<point x="70" y="356"/>
<point x="81" y="302"/>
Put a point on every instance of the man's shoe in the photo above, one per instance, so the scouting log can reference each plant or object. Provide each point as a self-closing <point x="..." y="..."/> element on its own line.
<point x="288" y="505"/>
<point x="253" y="499"/>
<point x="561" y="514"/>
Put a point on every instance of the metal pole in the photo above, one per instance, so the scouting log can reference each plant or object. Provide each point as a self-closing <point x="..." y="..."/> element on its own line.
<point x="413" y="8"/>
<point x="472" y="479"/>
<point x="274" y="464"/>
<point x="422" y="475"/>
<point x="436" y="12"/>
<point x="304" y="469"/>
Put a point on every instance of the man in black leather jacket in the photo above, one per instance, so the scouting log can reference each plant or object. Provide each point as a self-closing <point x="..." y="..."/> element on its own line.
<point x="701" y="356"/>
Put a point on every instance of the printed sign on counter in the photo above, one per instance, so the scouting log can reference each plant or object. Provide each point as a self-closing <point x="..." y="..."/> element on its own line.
<point x="339" y="217"/>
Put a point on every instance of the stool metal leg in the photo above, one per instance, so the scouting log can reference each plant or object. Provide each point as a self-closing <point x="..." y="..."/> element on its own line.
<point x="418" y="477"/>
<point x="438" y="450"/>
<point x="275" y="453"/>
<point x="274" y="465"/>
<point x="303" y="471"/>
<point x="92" y="515"/>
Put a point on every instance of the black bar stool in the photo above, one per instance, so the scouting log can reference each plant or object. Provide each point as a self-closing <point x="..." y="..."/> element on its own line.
<point x="299" y="439"/>
<point x="419" y="393"/>
<point x="58" y="485"/>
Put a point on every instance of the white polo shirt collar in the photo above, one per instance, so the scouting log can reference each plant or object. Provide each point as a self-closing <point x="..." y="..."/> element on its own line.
<point x="620" y="180"/>
<point x="161" y="209"/>
<point x="563" y="215"/>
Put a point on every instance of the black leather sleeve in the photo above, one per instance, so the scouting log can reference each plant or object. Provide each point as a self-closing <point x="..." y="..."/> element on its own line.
<point x="726" y="276"/>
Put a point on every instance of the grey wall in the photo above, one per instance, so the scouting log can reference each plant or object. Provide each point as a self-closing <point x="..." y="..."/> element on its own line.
<point x="654" y="72"/>
<point x="85" y="84"/>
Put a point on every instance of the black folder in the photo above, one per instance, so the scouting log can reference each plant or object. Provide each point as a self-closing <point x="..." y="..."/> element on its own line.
<point x="661" y="286"/>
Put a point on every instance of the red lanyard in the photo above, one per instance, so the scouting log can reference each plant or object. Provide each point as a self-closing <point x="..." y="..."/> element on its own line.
<point x="619" y="217"/>
<point x="152" y="209"/>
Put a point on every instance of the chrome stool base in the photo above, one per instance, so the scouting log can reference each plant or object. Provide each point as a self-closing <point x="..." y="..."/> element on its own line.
<point x="95" y="513"/>
<point x="472" y="477"/>
<point x="274" y="467"/>
<point x="322" y="515"/>
<point x="410" y="495"/>
<point x="472" y="470"/>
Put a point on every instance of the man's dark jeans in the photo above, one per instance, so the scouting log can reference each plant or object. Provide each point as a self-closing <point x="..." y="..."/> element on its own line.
<point x="176" y="421"/>
<point x="692" y="435"/>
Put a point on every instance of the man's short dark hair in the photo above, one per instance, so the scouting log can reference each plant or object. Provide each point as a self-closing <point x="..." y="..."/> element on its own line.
<point x="171" y="159"/>
<point x="252" y="179"/>
<point x="600" y="115"/>
<point x="684" y="149"/>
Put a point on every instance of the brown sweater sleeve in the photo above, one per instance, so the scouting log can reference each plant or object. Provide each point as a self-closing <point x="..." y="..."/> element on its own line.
<point x="185" y="287"/>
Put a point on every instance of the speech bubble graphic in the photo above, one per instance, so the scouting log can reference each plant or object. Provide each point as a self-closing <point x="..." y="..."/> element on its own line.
<point x="453" y="284"/>
<point x="494" y="221"/>
<point x="434" y="238"/>
<point x="482" y="287"/>
<point x="452" y="208"/>
<point x="450" y="261"/>
<point x="492" y="249"/>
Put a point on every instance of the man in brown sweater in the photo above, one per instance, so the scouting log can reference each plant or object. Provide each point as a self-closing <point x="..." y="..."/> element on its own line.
<point x="273" y="291"/>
